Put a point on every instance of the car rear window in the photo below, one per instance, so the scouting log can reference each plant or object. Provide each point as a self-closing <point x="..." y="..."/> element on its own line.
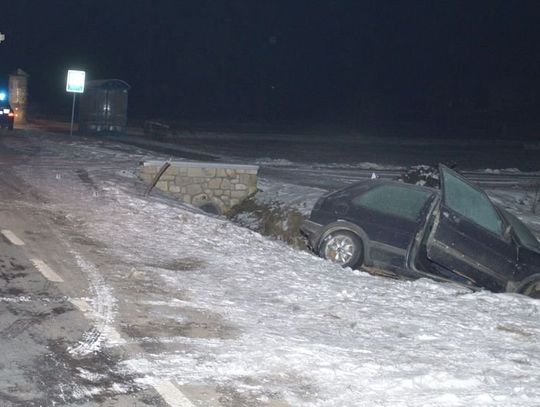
<point x="394" y="200"/>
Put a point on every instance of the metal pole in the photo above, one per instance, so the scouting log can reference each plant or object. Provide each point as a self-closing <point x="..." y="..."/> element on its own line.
<point x="72" y="114"/>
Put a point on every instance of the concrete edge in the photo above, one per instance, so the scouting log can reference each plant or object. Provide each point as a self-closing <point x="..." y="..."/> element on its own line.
<point x="198" y="164"/>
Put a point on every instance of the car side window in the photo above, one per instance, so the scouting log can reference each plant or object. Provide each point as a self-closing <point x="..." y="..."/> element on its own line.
<point x="395" y="200"/>
<point x="471" y="203"/>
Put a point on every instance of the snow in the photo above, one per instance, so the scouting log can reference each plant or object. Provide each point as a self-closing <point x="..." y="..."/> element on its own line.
<point x="520" y="203"/>
<point x="294" y="325"/>
<point x="500" y="171"/>
<point x="293" y="196"/>
<point x="281" y="162"/>
<point x="362" y="166"/>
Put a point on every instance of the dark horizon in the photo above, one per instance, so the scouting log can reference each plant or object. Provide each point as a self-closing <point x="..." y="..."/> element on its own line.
<point x="299" y="61"/>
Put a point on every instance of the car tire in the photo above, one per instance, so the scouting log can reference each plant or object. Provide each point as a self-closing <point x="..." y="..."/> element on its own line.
<point x="532" y="290"/>
<point x="344" y="248"/>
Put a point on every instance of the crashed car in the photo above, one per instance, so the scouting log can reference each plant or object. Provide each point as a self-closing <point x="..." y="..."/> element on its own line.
<point x="453" y="234"/>
<point x="7" y="116"/>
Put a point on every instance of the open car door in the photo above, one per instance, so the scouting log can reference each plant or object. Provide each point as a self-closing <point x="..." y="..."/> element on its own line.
<point x="468" y="235"/>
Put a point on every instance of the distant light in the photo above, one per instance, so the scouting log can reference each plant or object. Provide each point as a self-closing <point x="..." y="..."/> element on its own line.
<point x="3" y="95"/>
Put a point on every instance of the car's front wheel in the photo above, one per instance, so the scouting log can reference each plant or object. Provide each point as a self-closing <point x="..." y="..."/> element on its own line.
<point x="344" y="248"/>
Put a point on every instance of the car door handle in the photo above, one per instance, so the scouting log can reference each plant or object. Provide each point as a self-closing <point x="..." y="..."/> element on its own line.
<point x="452" y="218"/>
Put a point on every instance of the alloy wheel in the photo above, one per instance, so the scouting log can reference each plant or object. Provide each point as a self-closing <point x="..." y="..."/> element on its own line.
<point x="340" y="249"/>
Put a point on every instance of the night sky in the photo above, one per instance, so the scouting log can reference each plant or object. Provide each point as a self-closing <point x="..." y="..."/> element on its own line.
<point x="278" y="60"/>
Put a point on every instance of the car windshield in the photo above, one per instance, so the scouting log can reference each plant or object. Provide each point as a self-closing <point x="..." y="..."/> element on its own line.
<point x="525" y="236"/>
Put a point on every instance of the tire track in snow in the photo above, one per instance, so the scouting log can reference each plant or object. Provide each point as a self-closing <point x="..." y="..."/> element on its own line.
<point x="102" y="306"/>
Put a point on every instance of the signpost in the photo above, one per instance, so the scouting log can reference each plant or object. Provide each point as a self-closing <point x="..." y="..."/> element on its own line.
<point x="74" y="84"/>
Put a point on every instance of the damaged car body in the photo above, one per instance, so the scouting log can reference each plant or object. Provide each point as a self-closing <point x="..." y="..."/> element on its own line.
<point x="453" y="234"/>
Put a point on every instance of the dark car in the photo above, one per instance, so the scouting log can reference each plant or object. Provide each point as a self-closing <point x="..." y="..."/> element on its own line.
<point x="7" y="116"/>
<point x="453" y="234"/>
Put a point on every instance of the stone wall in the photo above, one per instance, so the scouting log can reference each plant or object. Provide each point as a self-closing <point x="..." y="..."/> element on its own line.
<point x="212" y="187"/>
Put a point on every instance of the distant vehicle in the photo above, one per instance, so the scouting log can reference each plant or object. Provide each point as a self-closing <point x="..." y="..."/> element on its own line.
<point x="456" y="234"/>
<point x="7" y="116"/>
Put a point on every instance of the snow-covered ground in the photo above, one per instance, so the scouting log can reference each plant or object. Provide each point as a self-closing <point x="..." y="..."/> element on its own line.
<point x="293" y="327"/>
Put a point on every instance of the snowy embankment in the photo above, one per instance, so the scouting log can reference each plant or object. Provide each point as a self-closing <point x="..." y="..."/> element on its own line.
<point x="305" y="330"/>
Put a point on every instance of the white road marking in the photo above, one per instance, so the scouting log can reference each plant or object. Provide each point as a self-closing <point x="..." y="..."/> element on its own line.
<point x="47" y="271"/>
<point x="82" y="305"/>
<point x="172" y="395"/>
<point x="9" y="235"/>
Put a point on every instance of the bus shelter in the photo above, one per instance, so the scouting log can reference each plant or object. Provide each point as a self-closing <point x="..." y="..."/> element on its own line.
<point x="103" y="106"/>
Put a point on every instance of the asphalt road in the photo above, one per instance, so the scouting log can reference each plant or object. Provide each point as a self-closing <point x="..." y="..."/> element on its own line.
<point x="330" y="161"/>
<point x="40" y="322"/>
<point x="304" y="167"/>
<point x="70" y="311"/>
<point x="51" y="278"/>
